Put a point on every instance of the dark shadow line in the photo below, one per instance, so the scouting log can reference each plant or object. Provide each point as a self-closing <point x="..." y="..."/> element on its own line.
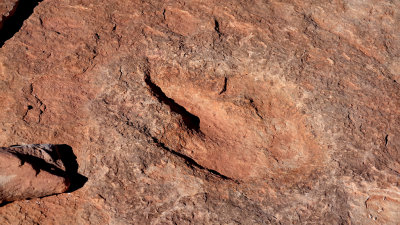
<point x="4" y="203"/>
<point x="189" y="161"/>
<point x="191" y="121"/>
<point x="225" y="86"/>
<point x="67" y="156"/>
<point x="386" y="140"/>
<point x="216" y="28"/>
<point x="13" y="23"/>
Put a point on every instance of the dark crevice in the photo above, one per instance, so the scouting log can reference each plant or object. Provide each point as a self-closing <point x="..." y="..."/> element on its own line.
<point x="189" y="161"/>
<point x="216" y="27"/>
<point x="163" y="13"/>
<point x="67" y="156"/>
<point x="4" y="203"/>
<point x="13" y="23"/>
<point x="251" y="101"/>
<point x="386" y="139"/>
<point x="191" y="121"/>
<point x="26" y="112"/>
<point x="225" y="86"/>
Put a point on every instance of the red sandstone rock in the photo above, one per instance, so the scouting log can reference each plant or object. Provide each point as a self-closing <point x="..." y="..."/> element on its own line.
<point x="18" y="182"/>
<point x="31" y="171"/>
<point x="210" y="112"/>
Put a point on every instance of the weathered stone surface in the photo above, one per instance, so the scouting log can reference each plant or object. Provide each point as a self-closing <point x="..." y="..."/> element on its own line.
<point x="210" y="112"/>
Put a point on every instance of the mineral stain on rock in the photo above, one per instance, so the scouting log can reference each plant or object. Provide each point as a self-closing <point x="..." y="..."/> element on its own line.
<point x="31" y="171"/>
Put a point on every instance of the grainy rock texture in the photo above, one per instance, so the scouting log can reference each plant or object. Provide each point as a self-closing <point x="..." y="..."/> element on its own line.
<point x="210" y="112"/>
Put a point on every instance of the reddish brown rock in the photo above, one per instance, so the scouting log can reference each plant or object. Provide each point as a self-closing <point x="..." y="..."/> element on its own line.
<point x="210" y="112"/>
<point x="20" y="182"/>
<point x="250" y="138"/>
<point x="32" y="171"/>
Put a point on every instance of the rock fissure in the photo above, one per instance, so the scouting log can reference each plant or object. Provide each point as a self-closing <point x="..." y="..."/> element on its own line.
<point x="191" y="121"/>
<point x="216" y="28"/>
<point x="26" y="112"/>
<point x="386" y="140"/>
<point x="13" y="23"/>
<point x="256" y="110"/>
<point x="191" y="162"/>
<point x="225" y="86"/>
<point x="34" y="113"/>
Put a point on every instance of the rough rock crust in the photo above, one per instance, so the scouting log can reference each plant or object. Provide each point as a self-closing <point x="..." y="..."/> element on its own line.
<point x="210" y="112"/>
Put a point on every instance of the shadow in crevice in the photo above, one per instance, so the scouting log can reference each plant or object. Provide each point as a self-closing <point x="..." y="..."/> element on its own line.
<point x="189" y="161"/>
<point x="191" y="121"/>
<point x="4" y="203"/>
<point x="67" y="156"/>
<point x="13" y="23"/>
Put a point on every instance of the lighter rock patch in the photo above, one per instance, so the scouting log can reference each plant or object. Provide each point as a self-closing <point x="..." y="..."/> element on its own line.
<point x="5" y="179"/>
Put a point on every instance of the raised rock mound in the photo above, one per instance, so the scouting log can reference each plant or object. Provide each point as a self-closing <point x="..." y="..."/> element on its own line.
<point x="32" y="171"/>
<point x="208" y="112"/>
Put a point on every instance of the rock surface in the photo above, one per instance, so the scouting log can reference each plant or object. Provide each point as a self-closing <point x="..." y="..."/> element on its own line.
<point x="210" y="112"/>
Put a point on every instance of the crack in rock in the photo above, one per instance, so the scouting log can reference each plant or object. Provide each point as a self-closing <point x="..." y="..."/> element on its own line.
<point x="34" y="112"/>
<point x="225" y="86"/>
<point x="189" y="161"/>
<point x="191" y="121"/>
<point x="216" y="28"/>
